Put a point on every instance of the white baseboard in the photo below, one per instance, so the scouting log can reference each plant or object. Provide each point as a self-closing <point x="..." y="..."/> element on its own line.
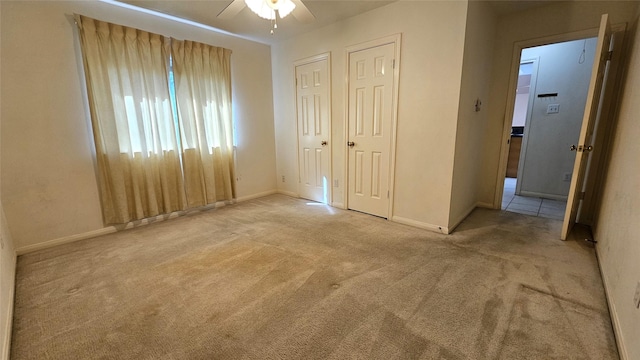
<point x="288" y="193"/>
<point x="420" y="224"/>
<point x="65" y="239"/>
<point x="436" y="228"/>
<point x="543" y="195"/>
<point x="622" y="350"/>
<point x="258" y="195"/>
<point x="8" y="326"/>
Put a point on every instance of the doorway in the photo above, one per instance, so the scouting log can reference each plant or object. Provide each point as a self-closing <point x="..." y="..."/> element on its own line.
<point x="595" y="130"/>
<point x="551" y="93"/>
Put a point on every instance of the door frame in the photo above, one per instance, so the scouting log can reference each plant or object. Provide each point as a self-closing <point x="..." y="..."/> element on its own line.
<point x="513" y="83"/>
<point x="527" y="121"/>
<point x="304" y="61"/>
<point x="396" y="40"/>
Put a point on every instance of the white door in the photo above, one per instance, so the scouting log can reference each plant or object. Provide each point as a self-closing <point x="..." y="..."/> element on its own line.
<point x="590" y="113"/>
<point x="370" y="104"/>
<point x="313" y="111"/>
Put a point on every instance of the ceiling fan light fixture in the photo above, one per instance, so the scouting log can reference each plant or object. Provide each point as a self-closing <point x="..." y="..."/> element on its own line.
<point x="267" y="9"/>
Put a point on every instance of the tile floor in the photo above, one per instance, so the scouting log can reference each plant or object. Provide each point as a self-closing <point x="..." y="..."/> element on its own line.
<point x="553" y="209"/>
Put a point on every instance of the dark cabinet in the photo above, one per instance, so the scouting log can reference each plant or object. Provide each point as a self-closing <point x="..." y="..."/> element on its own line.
<point x="514" y="156"/>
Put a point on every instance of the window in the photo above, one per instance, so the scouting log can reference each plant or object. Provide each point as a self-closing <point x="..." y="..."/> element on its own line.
<point x="161" y="114"/>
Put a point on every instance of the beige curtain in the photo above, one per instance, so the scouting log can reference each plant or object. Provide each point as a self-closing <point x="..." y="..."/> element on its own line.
<point x="203" y="90"/>
<point x="135" y="136"/>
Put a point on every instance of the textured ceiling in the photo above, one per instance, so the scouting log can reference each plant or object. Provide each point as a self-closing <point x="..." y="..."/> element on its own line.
<point x="249" y="25"/>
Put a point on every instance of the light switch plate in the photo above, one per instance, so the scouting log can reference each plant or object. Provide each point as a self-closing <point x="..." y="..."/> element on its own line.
<point x="636" y="298"/>
<point x="553" y="108"/>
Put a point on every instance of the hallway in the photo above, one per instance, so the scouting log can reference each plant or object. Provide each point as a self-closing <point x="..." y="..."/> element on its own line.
<point x="551" y="209"/>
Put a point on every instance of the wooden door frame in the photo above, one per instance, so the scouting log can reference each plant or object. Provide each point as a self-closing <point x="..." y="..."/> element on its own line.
<point x="396" y="40"/>
<point x="308" y="60"/>
<point x="513" y="83"/>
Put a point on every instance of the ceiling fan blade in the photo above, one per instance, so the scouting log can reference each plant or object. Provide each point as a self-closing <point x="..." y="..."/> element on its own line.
<point x="232" y="9"/>
<point x="302" y="13"/>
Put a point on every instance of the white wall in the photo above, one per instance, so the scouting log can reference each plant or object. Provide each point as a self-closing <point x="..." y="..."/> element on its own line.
<point x="430" y="72"/>
<point x="545" y="154"/>
<point x="616" y="229"/>
<point x="472" y="125"/>
<point x="7" y="272"/>
<point x="48" y="175"/>
<point x="556" y="18"/>
<point x="522" y="100"/>
<point x="520" y="109"/>
<point x="7" y="285"/>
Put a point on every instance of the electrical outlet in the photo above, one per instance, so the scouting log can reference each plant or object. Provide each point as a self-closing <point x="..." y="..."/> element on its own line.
<point x="282" y="178"/>
<point x="553" y="108"/>
<point x="636" y="298"/>
<point x="335" y="183"/>
<point x="566" y="177"/>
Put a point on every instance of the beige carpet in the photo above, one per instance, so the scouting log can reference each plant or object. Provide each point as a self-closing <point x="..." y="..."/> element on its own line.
<point x="281" y="278"/>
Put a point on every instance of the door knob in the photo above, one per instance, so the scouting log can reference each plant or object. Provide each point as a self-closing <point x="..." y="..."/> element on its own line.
<point x="573" y="148"/>
<point x="323" y="142"/>
<point x="351" y="144"/>
<point x="588" y="148"/>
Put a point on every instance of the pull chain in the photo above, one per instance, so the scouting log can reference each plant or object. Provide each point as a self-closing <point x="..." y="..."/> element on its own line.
<point x="274" y="21"/>
<point x="583" y="55"/>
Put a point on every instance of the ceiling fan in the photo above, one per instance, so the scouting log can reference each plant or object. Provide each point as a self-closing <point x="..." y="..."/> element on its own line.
<point x="270" y="10"/>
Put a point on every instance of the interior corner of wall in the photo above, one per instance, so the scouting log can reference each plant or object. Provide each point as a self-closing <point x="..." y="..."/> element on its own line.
<point x="6" y="237"/>
<point x="420" y="224"/>
<point x="457" y="214"/>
